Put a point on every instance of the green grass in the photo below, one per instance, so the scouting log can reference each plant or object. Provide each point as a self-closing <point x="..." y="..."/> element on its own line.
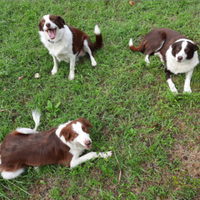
<point x="154" y="134"/>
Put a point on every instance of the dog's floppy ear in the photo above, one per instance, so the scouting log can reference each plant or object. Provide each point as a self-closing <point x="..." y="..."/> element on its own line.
<point x="196" y="48"/>
<point x="85" y="122"/>
<point x="173" y="49"/>
<point x="176" y="47"/>
<point x="58" y="20"/>
<point x="61" y="20"/>
<point x="68" y="133"/>
<point x="41" y="24"/>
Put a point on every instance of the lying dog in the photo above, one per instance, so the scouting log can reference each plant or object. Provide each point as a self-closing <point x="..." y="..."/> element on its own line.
<point x="61" y="145"/>
<point x="177" y="51"/>
<point x="66" y="42"/>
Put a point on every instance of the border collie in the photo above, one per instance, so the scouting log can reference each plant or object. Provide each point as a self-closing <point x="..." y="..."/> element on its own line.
<point x="60" y="145"/>
<point x="175" y="50"/>
<point x="66" y="42"/>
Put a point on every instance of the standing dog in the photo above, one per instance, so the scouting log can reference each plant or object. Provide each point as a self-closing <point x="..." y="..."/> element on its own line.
<point x="66" y="42"/>
<point x="60" y="145"/>
<point x="175" y="50"/>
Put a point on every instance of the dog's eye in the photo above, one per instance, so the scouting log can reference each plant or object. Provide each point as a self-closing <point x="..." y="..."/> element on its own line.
<point x="179" y="48"/>
<point x="84" y="129"/>
<point x="186" y="50"/>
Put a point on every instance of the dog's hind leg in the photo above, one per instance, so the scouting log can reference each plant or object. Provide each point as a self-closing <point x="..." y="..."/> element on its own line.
<point x="147" y="59"/>
<point x="88" y="50"/>
<point x="11" y="175"/>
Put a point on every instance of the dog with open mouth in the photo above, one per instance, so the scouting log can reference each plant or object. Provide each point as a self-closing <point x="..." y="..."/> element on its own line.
<point x="174" y="49"/>
<point x="66" y="42"/>
<point x="60" y="145"/>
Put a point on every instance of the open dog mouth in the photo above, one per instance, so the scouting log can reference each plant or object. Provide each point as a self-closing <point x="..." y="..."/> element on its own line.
<point x="51" y="33"/>
<point x="88" y="147"/>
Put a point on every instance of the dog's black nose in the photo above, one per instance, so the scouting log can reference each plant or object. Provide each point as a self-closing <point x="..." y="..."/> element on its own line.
<point x="88" y="142"/>
<point x="48" y="25"/>
<point x="180" y="58"/>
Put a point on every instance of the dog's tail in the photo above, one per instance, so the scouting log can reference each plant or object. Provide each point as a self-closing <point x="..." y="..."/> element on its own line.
<point x="99" y="40"/>
<point x="133" y="48"/>
<point x="36" y="118"/>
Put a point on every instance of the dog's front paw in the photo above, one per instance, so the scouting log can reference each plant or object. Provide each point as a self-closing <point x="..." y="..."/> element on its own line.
<point x="106" y="155"/>
<point x="174" y="90"/>
<point x="172" y="86"/>
<point x="53" y="71"/>
<point x="94" y="63"/>
<point x="71" y="77"/>
<point x="187" y="89"/>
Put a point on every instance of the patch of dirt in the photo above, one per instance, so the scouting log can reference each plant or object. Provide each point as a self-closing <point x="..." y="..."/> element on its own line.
<point x="182" y="125"/>
<point x="189" y="155"/>
<point x="41" y="189"/>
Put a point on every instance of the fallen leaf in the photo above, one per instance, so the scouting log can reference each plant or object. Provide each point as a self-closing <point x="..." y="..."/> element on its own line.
<point x="131" y="3"/>
<point x="155" y="125"/>
<point x="20" y="78"/>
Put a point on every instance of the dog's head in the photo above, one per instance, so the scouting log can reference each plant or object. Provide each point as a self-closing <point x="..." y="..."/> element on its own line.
<point x="52" y="26"/>
<point x="77" y="132"/>
<point x="183" y="50"/>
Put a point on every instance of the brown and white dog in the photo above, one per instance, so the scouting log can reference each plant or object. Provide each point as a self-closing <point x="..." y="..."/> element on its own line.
<point x="60" y="145"/>
<point x="175" y="50"/>
<point x="66" y="42"/>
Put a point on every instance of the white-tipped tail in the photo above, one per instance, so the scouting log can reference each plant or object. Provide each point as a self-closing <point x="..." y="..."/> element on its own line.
<point x="36" y="118"/>
<point x="11" y="175"/>
<point x="97" y="30"/>
<point x="130" y="42"/>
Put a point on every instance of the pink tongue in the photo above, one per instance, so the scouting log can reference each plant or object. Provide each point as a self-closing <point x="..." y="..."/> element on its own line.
<point x="51" y="33"/>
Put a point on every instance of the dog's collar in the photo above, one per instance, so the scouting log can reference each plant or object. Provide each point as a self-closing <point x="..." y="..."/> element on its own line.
<point x="50" y="41"/>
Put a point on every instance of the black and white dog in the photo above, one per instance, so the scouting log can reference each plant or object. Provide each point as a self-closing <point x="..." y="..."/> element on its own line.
<point x="175" y="50"/>
<point x="66" y="42"/>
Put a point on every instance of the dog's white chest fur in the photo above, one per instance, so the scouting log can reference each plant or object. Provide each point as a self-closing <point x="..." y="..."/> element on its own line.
<point x="62" y="49"/>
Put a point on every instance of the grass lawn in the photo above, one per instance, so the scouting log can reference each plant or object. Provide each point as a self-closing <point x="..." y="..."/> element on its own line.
<point x="154" y="134"/>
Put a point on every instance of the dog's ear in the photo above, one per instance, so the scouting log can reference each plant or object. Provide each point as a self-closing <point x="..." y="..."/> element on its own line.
<point x="173" y="49"/>
<point x="85" y="122"/>
<point x="58" y="20"/>
<point x="41" y="24"/>
<point x="61" y="20"/>
<point x="176" y="47"/>
<point x="68" y="133"/>
<point x="195" y="47"/>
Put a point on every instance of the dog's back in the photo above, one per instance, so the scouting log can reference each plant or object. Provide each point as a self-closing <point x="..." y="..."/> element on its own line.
<point x="20" y="150"/>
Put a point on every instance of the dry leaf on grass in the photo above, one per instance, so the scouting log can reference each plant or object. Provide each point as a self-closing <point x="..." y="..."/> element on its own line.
<point x="131" y="3"/>
<point x="20" y="78"/>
